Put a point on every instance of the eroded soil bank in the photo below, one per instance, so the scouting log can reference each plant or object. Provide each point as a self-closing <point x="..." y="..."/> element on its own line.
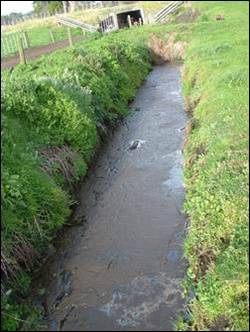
<point x="121" y="269"/>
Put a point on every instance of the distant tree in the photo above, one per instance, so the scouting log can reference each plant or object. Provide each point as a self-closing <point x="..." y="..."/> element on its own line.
<point x="65" y="6"/>
<point x="72" y="5"/>
<point x="47" y="6"/>
<point x="54" y="6"/>
<point x="40" y="6"/>
<point x="69" y="6"/>
<point x="11" y="18"/>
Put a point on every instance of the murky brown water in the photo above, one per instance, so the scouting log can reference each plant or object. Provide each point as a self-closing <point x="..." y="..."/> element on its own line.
<point x="122" y="271"/>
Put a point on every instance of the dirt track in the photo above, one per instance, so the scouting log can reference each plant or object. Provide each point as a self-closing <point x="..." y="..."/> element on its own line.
<point x="35" y="52"/>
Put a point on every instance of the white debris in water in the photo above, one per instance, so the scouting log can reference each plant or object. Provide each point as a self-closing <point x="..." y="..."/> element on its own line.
<point x="175" y="93"/>
<point x="151" y="291"/>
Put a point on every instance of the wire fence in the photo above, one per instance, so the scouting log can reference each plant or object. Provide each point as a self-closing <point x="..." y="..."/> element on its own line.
<point x="48" y="35"/>
<point x="9" y="43"/>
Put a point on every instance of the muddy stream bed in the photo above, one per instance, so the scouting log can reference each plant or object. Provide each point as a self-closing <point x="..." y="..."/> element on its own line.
<point x="121" y="269"/>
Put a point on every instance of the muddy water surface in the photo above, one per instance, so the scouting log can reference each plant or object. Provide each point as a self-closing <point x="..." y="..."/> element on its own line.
<point x="121" y="270"/>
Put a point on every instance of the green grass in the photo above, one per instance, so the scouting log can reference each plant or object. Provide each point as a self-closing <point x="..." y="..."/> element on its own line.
<point x="41" y="36"/>
<point x="52" y="102"/>
<point x="216" y="166"/>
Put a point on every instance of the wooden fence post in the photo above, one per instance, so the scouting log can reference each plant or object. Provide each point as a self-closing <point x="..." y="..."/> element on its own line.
<point x="12" y="43"/>
<point x="52" y="36"/>
<point x="25" y="36"/>
<point x="20" y="50"/>
<point x="129" y="21"/>
<point x="70" y="37"/>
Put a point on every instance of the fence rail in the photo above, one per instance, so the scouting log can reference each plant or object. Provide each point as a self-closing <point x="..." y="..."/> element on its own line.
<point x="75" y="24"/>
<point x="170" y="8"/>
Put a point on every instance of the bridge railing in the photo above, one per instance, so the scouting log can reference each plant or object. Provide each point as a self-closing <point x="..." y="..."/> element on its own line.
<point x="75" y="24"/>
<point x="170" y="8"/>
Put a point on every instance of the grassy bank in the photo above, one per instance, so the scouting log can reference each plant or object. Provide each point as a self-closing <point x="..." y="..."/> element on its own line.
<point x="62" y="105"/>
<point x="215" y="87"/>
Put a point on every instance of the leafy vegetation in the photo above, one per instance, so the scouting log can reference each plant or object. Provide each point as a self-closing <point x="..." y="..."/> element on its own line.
<point x="47" y="6"/>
